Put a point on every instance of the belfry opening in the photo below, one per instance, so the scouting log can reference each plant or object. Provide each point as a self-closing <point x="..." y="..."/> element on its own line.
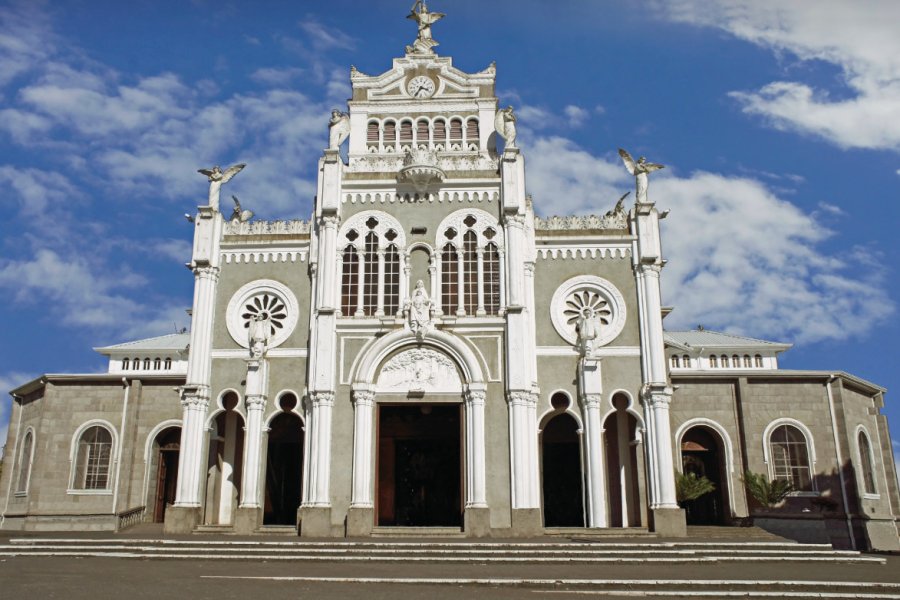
<point x="419" y="465"/>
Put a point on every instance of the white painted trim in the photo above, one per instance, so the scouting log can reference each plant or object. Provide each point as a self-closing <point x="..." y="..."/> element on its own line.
<point x="235" y="324"/>
<point x="357" y="221"/>
<point x="726" y="442"/>
<point x="297" y="410"/>
<point x="151" y="437"/>
<point x="600" y="352"/>
<point x="860" y="479"/>
<point x="810" y="447"/>
<point x="271" y="353"/>
<point x="220" y="408"/>
<point x="343" y="377"/>
<point x="113" y="457"/>
<point x="630" y="409"/>
<point x="499" y="344"/>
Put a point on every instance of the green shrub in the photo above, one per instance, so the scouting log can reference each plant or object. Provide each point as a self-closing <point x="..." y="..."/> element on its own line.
<point x="690" y="486"/>
<point x="767" y="493"/>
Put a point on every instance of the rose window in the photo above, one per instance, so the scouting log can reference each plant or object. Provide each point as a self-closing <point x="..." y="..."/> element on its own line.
<point x="591" y="297"/>
<point x="269" y="307"/>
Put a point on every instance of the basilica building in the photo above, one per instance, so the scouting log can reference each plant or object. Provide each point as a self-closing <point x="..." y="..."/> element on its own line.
<point x="426" y="352"/>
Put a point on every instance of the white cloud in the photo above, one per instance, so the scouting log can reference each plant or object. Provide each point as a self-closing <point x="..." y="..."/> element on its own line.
<point x="276" y="77"/>
<point x="740" y="258"/>
<point x="861" y="40"/>
<point x="173" y="249"/>
<point x="575" y="115"/>
<point x="326" y="38"/>
<point x="9" y="381"/>
<point x="600" y="109"/>
<point x="26" y="39"/>
<point x="35" y="190"/>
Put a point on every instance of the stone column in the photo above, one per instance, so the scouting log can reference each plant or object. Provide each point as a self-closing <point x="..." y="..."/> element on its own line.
<point x="523" y="459"/>
<point x="477" y="515"/>
<point x="590" y="392"/>
<point x="316" y="512"/>
<point x="247" y="520"/>
<point x="361" y="517"/>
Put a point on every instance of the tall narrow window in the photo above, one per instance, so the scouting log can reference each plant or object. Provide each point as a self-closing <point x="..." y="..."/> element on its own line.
<point x="406" y="132"/>
<point x="349" y="281"/>
<point x="25" y="463"/>
<point x="391" y="280"/>
<point x="713" y="361"/>
<point x="736" y="361"/>
<point x="372" y="132"/>
<point x="390" y="133"/>
<point x="125" y="364"/>
<point x="456" y="132"/>
<point x="867" y="464"/>
<point x="449" y="279"/>
<point x="146" y="364"/>
<point x="157" y="364"/>
<point x="440" y="133"/>
<point x="472" y="133"/>
<point x="470" y="272"/>
<point x="724" y="361"/>
<point x="92" y="460"/>
<point x="790" y="457"/>
<point x="675" y="362"/>
<point x="747" y="362"/>
<point x="491" y="279"/>
<point x="759" y="361"/>
<point x="686" y="361"/>
<point x="422" y="133"/>
<point x="370" y="276"/>
<point x="168" y="364"/>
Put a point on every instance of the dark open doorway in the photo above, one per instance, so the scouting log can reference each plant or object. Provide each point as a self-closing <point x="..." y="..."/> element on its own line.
<point x="284" y="470"/>
<point x="419" y="466"/>
<point x="701" y="453"/>
<point x="166" y="446"/>
<point x="561" y="462"/>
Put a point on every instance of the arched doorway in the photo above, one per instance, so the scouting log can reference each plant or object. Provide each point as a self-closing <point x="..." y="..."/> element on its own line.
<point x="419" y="465"/>
<point x="561" y="469"/>
<point x="164" y="470"/>
<point x="284" y="466"/>
<point x="225" y="463"/>
<point x="620" y="447"/>
<point x="702" y="453"/>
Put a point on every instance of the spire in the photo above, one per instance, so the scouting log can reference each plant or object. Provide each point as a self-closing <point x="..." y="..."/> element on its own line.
<point x="424" y="43"/>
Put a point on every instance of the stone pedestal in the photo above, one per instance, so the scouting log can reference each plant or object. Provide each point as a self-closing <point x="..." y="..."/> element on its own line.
<point x="247" y="520"/>
<point x="360" y="521"/>
<point x="477" y="521"/>
<point x="315" y="521"/>
<point x="181" y="519"/>
<point x="527" y="522"/>
<point x="669" y="522"/>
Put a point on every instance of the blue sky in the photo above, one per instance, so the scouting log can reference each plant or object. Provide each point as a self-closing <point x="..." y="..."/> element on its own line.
<point x="779" y="124"/>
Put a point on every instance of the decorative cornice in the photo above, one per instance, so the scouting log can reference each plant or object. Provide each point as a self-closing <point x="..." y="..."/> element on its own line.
<point x="195" y="397"/>
<point x="390" y="197"/>
<point x="579" y="222"/>
<point x="263" y="256"/>
<point x="584" y="252"/>
<point x="292" y="227"/>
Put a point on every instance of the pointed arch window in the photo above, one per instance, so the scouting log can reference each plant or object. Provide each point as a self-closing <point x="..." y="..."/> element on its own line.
<point x="371" y="266"/>
<point x="867" y="463"/>
<point x="92" y="459"/>
<point x="471" y="264"/>
<point x="25" y="459"/>
<point x="449" y="279"/>
<point x="790" y="457"/>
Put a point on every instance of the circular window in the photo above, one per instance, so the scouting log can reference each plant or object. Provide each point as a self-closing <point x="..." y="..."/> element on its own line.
<point x="590" y="297"/>
<point x="265" y="298"/>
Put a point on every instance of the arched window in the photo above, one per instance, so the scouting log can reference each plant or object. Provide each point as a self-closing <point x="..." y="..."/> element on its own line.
<point x="406" y="132"/>
<point x="759" y="362"/>
<point x="456" y="134"/>
<point x="724" y="361"/>
<point x="675" y="362"/>
<point x="747" y="362"/>
<point x="390" y="134"/>
<point x="867" y="463"/>
<point x="370" y="274"/>
<point x="472" y="134"/>
<point x="92" y="459"/>
<point x="440" y="133"/>
<point x="157" y="363"/>
<point x="25" y="457"/>
<point x="736" y="361"/>
<point x="372" y="133"/>
<point x="168" y="364"/>
<point x="422" y="133"/>
<point x="136" y="364"/>
<point x="125" y="364"/>
<point x="790" y="457"/>
<point x="471" y="264"/>
<point x="686" y="361"/>
<point x="713" y="361"/>
<point x="147" y="364"/>
<point x="449" y="279"/>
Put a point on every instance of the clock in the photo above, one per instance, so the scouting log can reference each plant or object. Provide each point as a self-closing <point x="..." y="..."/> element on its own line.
<point x="420" y="87"/>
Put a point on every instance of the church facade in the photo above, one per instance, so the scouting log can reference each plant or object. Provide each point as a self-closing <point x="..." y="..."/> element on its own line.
<point x="427" y="352"/>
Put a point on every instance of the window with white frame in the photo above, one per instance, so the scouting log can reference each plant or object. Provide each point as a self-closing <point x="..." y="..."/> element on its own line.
<point x="676" y="362"/>
<point x="758" y="361"/>
<point x="92" y="459"/>
<point x="790" y="457"/>
<point x="471" y="264"/>
<point x="713" y="361"/>
<point x="686" y="361"/>
<point x="371" y="265"/>
<point x="25" y="458"/>
<point x="867" y="464"/>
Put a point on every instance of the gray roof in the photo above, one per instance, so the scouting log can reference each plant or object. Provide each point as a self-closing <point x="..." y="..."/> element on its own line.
<point x="173" y="341"/>
<point x="696" y="339"/>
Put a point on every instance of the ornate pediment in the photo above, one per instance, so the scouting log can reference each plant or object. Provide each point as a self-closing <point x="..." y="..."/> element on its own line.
<point x="449" y="83"/>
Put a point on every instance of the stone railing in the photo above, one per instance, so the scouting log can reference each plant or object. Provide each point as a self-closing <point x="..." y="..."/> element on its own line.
<point x="292" y="227"/>
<point x="129" y="518"/>
<point x="611" y="220"/>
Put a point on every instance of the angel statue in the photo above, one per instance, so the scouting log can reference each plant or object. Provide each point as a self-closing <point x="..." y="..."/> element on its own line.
<point x="338" y="129"/>
<point x="418" y="310"/>
<point x="217" y="178"/>
<point x="505" y="124"/>
<point x="424" y="19"/>
<point x="238" y="213"/>
<point x="640" y="169"/>
<point x="258" y="334"/>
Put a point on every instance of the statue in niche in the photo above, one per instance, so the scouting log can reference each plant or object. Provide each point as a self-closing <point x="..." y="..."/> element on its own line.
<point x="258" y="332"/>
<point x="217" y="178"/>
<point x="505" y="124"/>
<point x="588" y="329"/>
<point x="640" y="169"/>
<point x="338" y="129"/>
<point x="424" y="43"/>
<point x="418" y="311"/>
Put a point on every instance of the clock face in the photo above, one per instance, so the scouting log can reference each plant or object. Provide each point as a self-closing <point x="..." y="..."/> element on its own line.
<point x="420" y="87"/>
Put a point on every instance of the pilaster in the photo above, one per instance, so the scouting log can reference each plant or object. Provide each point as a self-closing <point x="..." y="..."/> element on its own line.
<point x="590" y="390"/>
<point x="255" y="400"/>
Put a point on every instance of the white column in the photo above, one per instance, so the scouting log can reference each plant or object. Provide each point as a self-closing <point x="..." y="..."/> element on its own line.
<point x="196" y="391"/>
<point x="593" y="452"/>
<point x="626" y="471"/>
<point x="379" y="310"/>
<point x="329" y="276"/>
<point x="656" y="402"/>
<point x="476" y="483"/>
<point x="360" y="281"/>
<point x="460" y="277"/>
<point x="320" y="461"/>
<point x="227" y="488"/>
<point x="255" y="402"/>
<point x="362" y="494"/>
<point x="480" y="311"/>
<point x="523" y="455"/>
